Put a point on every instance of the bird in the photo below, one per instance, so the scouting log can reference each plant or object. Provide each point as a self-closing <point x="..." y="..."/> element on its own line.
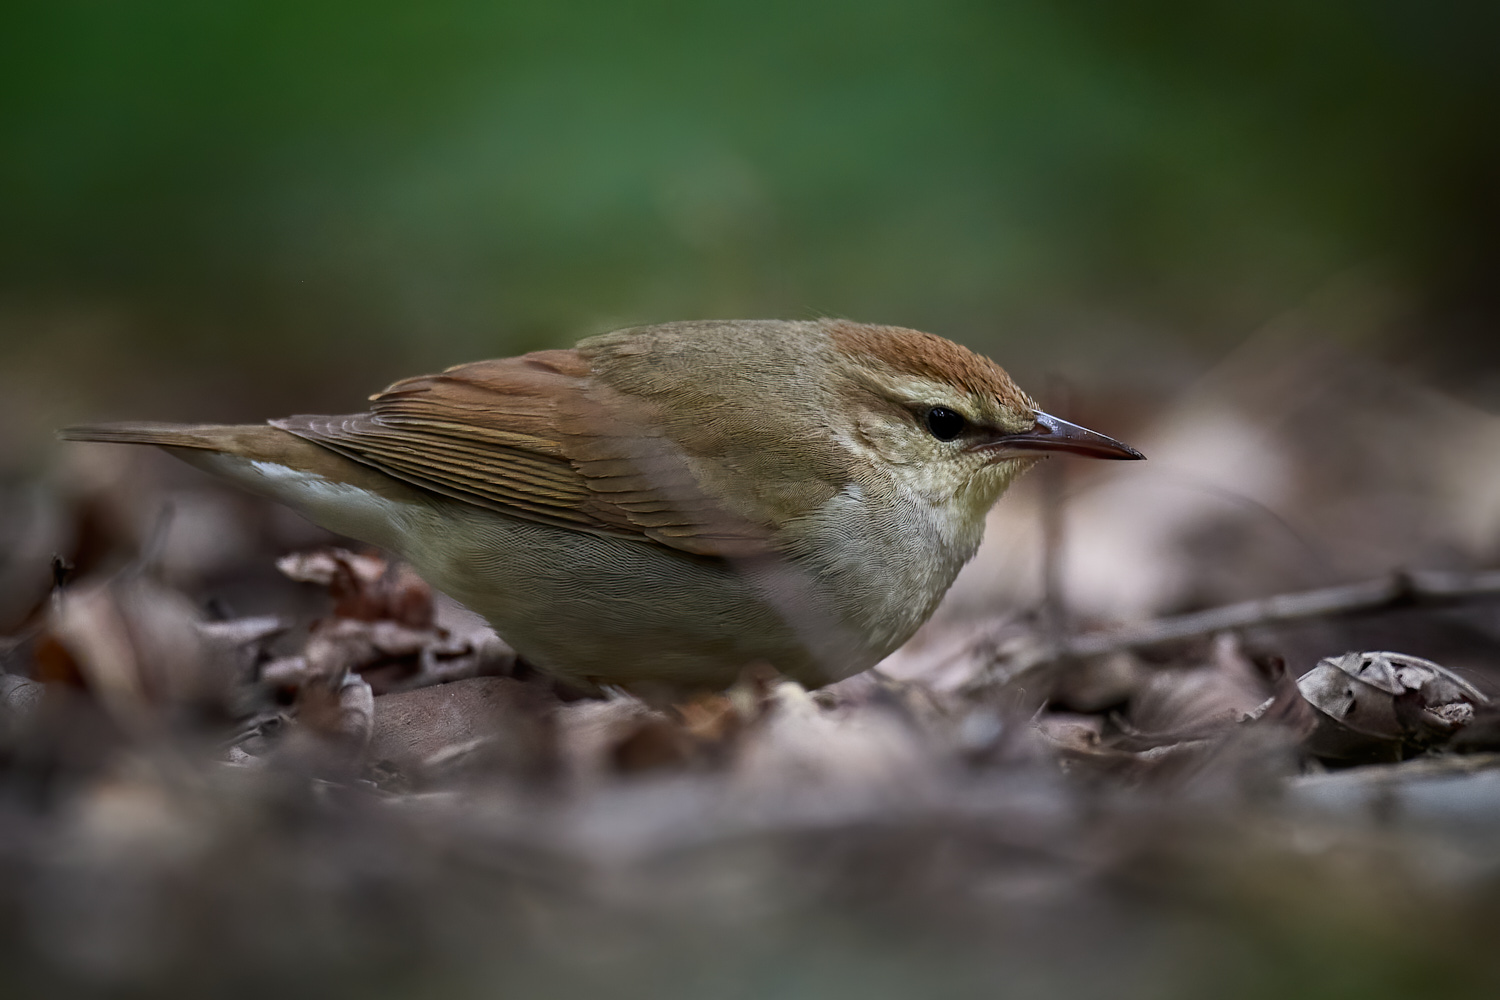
<point x="663" y="507"/>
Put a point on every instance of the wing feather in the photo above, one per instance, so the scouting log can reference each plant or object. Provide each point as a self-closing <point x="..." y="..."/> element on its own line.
<point x="536" y="438"/>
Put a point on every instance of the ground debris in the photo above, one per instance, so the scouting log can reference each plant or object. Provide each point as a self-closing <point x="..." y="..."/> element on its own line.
<point x="19" y="696"/>
<point x="136" y="647"/>
<point x="487" y="726"/>
<point x="386" y="626"/>
<point x="364" y="586"/>
<point x="378" y="785"/>
<point x="1385" y="706"/>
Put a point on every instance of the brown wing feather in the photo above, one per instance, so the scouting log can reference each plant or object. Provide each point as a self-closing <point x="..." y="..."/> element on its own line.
<point x="536" y="438"/>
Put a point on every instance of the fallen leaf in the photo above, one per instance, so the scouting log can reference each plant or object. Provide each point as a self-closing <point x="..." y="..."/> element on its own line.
<point x="1384" y="706"/>
<point x="19" y="696"/>
<point x="1176" y="704"/>
<point x="338" y="712"/>
<point x="494" y="724"/>
<point x="364" y="586"/>
<point x="136" y="646"/>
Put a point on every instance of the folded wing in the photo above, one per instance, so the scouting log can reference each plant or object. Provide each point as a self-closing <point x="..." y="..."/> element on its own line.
<point x="535" y="437"/>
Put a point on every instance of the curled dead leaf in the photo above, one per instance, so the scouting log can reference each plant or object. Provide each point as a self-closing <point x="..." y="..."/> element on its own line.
<point x="1385" y="706"/>
<point x="386" y="626"/>
<point x="364" y="586"/>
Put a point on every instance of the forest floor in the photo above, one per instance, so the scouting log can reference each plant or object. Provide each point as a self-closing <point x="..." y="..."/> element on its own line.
<point x="1220" y="725"/>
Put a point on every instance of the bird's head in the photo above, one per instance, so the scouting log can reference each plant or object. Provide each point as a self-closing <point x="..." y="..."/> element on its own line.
<point x="944" y="423"/>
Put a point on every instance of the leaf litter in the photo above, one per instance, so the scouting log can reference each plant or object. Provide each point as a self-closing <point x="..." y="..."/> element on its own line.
<point x="357" y="788"/>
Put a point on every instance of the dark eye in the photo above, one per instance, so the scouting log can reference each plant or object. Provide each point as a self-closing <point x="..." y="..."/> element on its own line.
<point x="944" y="424"/>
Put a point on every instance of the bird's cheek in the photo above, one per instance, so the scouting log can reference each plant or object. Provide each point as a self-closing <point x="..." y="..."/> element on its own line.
<point x="888" y="443"/>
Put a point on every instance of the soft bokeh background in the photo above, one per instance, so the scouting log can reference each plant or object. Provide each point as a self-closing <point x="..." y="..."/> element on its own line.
<point x="229" y="210"/>
<point x="1256" y="240"/>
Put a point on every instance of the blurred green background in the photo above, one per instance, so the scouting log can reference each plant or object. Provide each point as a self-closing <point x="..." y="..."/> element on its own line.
<point x="222" y="210"/>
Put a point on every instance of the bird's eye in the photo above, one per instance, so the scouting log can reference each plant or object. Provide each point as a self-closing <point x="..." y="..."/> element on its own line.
<point x="944" y="424"/>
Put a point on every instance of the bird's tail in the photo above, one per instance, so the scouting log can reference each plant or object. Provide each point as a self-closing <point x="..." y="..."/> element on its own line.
<point x="236" y="438"/>
<point x="334" y="491"/>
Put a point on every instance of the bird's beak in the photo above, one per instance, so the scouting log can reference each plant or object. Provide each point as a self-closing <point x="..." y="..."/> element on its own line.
<point x="1052" y="434"/>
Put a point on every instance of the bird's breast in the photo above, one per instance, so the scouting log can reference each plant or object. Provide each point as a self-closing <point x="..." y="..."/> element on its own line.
<point x="884" y="559"/>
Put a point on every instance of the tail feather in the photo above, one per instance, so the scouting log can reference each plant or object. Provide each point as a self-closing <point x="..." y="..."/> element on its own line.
<point x="204" y="444"/>
<point x="212" y="437"/>
<point x="334" y="491"/>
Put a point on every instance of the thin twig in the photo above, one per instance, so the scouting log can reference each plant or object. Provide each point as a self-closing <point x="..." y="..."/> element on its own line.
<point x="1421" y="587"/>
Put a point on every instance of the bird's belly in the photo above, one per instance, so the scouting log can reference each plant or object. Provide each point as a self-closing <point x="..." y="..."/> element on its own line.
<point x="608" y="610"/>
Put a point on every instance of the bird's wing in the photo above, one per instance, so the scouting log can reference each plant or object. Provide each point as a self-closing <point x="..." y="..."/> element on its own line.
<point x="535" y="437"/>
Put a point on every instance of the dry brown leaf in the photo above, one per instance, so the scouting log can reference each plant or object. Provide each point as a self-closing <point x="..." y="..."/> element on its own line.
<point x="1286" y="708"/>
<point x="244" y="639"/>
<point x="385" y="626"/>
<point x="1385" y="706"/>
<point x="1099" y="683"/>
<point x="1176" y="703"/>
<point x="801" y="747"/>
<point x="339" y="712"/>
<point x="19" y="696"/>
<point x="654" y="743"/>
<point x="1071" y="733"/>
<point x="591" y="731"/>
<point x="491" y="724"/>
<point x="326" y="567"/>
<point x="364" y="586"/>
<point x="135" y="645"/>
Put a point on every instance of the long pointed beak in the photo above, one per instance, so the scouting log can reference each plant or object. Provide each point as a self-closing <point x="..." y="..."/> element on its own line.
<point x="1050" y="433"/>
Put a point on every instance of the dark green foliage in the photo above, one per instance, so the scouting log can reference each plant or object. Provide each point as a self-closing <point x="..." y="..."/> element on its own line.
<point x="442" y="181"/>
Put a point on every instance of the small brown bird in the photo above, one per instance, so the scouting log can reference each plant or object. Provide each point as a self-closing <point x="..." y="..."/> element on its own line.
<point x="662" y="506"/>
